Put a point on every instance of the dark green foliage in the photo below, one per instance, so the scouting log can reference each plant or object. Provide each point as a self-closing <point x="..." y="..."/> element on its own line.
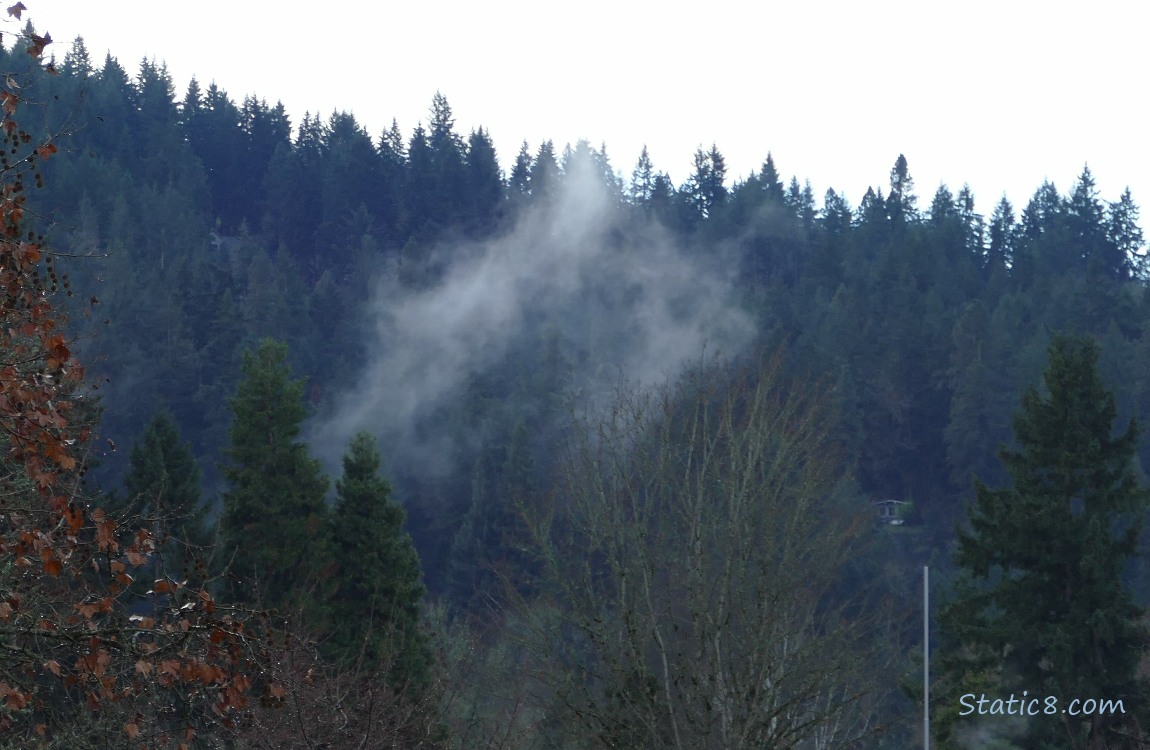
<point x="484" y="192"/>
<point x="212" y="225"/>
<point x="273" y="528"/>
<point x="293" y="180"/>
<point x="449" y="174"/>
<point x="544" y="175"/>
<point x="488" y="550"/>
<point x="801" y="201"/>
<point x="266" y="129"/>
<point x="1002" y="236"/>
<point x="419" y="187"/>
<point x="981" y="397"/>
<point x="705" y="188"/>
<point x="163" y="491"/>
<point x="216" y="135"/>
<point x="520" y="180"/>
<point x="1042" y="606"/>
<point x="114" y="98"/>
<point x="772" y="184"/>
<point x="77" y="61"/>
<point x="375" y="609"/>
<point x="1125" y="236"/>
<point x="642" y="185"/>
<point x="350" y="176"/>
<point x="901" y="201"/>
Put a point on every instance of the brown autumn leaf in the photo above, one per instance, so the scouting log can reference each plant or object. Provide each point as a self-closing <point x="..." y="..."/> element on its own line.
<point x="209" y="673"/>
<point x="29" y="252"/>
<point x="75" y="519"/>
<point x="8" y="102"/>
<point x="106" y="537"/>
<point x="143" y="667"/>
<point x="52" y="666"/>
<point x="46" y="150"/>
<point x="53" y="567"/>
<point x="16" y="700"/>
<point x="145" y="622"/>
<point x="5" y="610"/>
<point x="132" y="730"/>
<point x="36" y="48"/>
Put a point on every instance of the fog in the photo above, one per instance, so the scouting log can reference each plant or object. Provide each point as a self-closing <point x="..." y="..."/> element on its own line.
<point x="623" y="302"/>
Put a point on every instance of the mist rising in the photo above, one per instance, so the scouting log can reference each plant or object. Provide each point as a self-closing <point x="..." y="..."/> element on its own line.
<point x="623" y="301"/>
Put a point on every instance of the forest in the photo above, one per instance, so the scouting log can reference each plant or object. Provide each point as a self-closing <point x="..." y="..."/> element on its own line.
<point x="319" y="438"/>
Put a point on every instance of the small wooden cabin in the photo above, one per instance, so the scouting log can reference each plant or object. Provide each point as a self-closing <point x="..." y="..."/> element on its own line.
<point x="891" y="511"/>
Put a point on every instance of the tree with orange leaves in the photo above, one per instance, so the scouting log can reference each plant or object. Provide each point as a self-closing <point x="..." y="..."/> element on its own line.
<point x="77" y="665"/>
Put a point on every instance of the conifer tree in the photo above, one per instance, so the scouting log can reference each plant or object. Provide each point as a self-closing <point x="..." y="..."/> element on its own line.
<point x="274" y="516"/>
<point x="901" y="201"/>
<point x="771" y="182"/>
<point x="485" y="189"/>
<point x="519" y="183"/>
<point x="544" y="171"/>
<point x="705" y="187"/>
<point x="642" y="180"/>
<point x="163" y="485"/>
<point x="377" y="606"/>
<point x="1040" y="605"/>
<point x="1124" y="234"/>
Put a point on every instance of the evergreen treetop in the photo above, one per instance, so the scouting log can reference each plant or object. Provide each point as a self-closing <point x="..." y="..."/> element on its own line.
<point x="376" y="610"/>
<point x="273" y="520"/>
<point x="1041" y="605"/>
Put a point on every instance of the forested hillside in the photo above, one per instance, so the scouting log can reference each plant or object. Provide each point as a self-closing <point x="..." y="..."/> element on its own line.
<point x="445" y="311"/>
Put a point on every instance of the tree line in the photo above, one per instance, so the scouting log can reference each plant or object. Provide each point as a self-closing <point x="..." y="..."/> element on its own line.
<point x="925" y="325"/>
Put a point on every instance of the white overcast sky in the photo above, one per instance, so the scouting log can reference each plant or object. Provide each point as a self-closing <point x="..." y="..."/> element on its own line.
<point x="1000" y="94"/>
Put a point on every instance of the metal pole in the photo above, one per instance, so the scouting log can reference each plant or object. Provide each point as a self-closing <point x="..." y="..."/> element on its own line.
<point x="926" y="657"/>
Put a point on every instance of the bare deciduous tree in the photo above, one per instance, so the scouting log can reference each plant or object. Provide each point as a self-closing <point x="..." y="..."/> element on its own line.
<point x="692" y="593"/>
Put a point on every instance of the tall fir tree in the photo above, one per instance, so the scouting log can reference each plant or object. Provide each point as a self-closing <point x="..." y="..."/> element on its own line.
<point x="163" y="489"/>
<point x="1125" y="236"/>
<point x="544" y="175"/>
<point x="376" y="610"/>
<point x="705" y="187"/>
<point x="642" y="185"/>
<point x="485" y="189"/>
<point x="770" y="180"/>
<point x="901" y="201"/>
<point x="519" y="181"/>
<point x="448" y="164"/>
<point x="1040" y="605"/>
<point x="274" y="519"/>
